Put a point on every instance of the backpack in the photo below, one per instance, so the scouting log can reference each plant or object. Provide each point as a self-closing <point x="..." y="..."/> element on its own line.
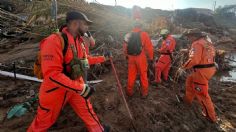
<point x="37" y="64"/>
<point x="134" y="44"/>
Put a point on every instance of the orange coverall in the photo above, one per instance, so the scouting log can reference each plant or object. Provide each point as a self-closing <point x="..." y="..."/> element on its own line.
<point x="58" y="89"/>
<point x="138" y="64"/>
<point x="202" y="53"/>
<point x="164" y="62"/>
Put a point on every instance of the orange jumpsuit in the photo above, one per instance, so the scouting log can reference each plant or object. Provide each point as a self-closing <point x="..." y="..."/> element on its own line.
<point x="138" y="64"/>
<point x="58" y="89"/>
<point x="164" y="62"/>
<point x="201" y="59"/>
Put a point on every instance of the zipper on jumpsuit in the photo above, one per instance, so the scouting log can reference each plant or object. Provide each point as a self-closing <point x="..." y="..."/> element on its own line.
<point x="85" y="99"/>
<point x="67" y="91"/>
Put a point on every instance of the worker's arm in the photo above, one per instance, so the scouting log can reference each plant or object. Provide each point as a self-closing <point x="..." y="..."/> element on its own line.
<point x="148" y="47"/>
<point x="52" y="65"/>
<point x="195" y="56"/>
<point x="95" y="59"/>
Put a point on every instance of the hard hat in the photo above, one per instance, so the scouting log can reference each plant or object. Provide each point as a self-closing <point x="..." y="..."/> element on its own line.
<point x="164" y="32"/>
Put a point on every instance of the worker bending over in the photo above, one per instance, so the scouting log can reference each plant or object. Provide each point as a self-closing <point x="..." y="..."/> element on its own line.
<point x="163" y="64"/>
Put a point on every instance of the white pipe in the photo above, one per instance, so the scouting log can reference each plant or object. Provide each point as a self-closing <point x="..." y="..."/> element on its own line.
<point x="25" y="77"/>
<point x="19" y="76"/>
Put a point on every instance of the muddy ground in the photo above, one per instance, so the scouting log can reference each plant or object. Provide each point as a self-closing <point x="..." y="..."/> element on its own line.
<point x="159" y="112"/>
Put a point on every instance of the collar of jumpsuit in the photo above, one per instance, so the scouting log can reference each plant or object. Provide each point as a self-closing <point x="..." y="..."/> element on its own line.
<point x="65" y="30"/>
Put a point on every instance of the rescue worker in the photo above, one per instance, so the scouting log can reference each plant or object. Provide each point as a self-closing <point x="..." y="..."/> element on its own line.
<point x="201" y="60"/>
<point x="58" y="88"/>
<point x="139" y="51"/>
<point x="163" y="65"/>
<point x="88" y="42"/>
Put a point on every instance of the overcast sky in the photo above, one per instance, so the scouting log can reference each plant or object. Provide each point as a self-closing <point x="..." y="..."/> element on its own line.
<point x="168" y="4"/>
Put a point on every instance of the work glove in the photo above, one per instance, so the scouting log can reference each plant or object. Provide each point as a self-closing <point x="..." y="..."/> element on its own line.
<point x="87" y="91"/>
<point x="89" y="34"/>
